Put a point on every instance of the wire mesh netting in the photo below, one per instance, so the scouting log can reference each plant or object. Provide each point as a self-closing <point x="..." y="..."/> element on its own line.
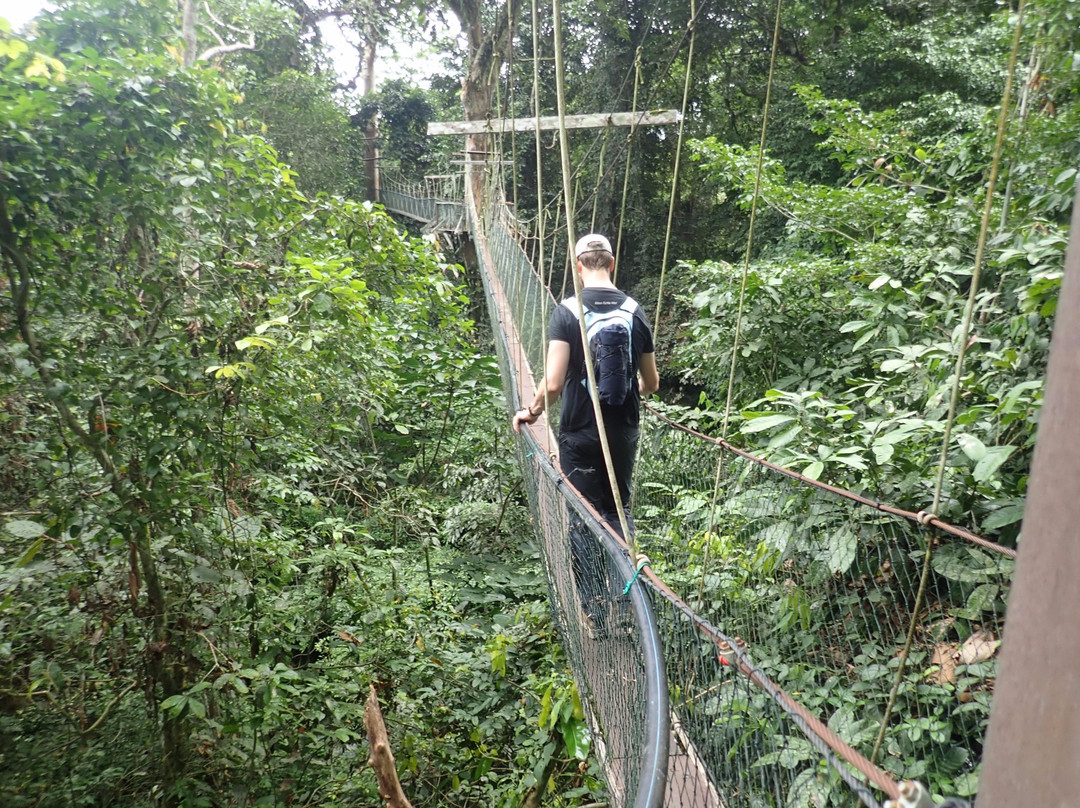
<point x="806" y="634"/>
<point x="607" y="626"/>
<point x="609" y="637"/>
<point x="824" y="591"/>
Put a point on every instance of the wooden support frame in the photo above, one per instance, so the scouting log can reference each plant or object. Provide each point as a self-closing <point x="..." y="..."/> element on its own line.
<point x="549" y="122"/>
<point x="1033" y="744"/>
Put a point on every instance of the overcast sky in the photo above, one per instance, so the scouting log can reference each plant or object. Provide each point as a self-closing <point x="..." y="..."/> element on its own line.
<point x="413" y="63"/>
<point x="19" y="12"/>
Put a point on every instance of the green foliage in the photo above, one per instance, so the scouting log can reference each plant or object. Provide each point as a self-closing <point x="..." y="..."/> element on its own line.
<point x="251" y="456"/>
<point x="822" y="593"/>
<point x="874" y="274"/>
<point x="309" y="130"/>
<point x="848" y="337"/>
<point x="238" y="422"/>
<point x="403" y="111"/>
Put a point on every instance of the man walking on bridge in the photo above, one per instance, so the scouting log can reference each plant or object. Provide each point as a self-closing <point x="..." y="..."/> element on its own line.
<point x="621" y="341"/>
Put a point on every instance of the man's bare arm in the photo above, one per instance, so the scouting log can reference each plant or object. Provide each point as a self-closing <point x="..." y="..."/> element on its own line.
<point x="648" y="375"/>
<point x="558" y="360"/>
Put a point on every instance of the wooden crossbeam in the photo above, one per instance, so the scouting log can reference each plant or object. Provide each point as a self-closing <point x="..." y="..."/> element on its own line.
<point x="548" y="122"/>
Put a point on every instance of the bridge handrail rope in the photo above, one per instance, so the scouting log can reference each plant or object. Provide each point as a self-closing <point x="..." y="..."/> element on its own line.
<point x="732" y="652"/>
<point x="924" y="518"/>
<point x="654" y="758"/>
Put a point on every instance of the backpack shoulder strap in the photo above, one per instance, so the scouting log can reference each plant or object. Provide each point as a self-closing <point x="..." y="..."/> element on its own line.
<point x="572" y="304"/>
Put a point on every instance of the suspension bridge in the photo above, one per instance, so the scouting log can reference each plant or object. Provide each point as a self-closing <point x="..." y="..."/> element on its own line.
<point x="778" y="654"/>
<point x="790" y="644"/>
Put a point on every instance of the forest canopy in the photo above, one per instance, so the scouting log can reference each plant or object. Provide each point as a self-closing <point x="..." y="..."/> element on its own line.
<point x="253" y="449"/>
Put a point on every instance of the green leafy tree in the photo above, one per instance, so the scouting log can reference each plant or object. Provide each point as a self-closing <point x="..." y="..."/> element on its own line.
<point x="309" y="130"/>
<point x="190" y="341"/>
<point x="876" y="270"/>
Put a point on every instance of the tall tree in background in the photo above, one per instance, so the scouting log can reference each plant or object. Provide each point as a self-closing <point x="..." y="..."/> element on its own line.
<point x="373" y="22"/>
<point x="490" y="36"/>
<point x="232" y="29"/>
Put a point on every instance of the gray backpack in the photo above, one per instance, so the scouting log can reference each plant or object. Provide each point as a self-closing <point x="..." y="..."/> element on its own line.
<point x="611" y="337"/>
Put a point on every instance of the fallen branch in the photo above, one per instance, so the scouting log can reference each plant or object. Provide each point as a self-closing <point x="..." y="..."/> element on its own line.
<point x="380" y="758"/>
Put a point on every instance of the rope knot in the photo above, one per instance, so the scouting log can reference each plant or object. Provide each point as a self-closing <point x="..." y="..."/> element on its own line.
<point x="924" y="517"/>
<point x="726" y="649"/>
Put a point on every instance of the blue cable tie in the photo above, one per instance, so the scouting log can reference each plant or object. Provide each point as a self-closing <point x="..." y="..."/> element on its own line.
<point x="643" y="562"/>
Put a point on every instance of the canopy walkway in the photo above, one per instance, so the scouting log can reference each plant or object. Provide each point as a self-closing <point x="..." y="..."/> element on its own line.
<point x="790" y="644"/>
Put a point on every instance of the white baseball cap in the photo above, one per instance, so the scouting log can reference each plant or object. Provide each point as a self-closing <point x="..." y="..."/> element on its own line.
<point x="593" y="242"/>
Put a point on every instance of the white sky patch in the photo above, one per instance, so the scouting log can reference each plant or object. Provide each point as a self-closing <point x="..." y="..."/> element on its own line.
<point x="399" y="60"/>
<point x="414" y="62"/>
<point x="20" y="12"/>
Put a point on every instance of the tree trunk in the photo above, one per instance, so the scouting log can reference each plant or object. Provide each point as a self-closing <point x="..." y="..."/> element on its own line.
<point x="488" y="50"/>
<point x="371" y="132"/>
<point x="189" y="19"/>
<point x="165" y="658"/>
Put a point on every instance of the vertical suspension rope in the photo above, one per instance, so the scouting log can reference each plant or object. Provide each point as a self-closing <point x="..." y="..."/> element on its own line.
<point x="626" y="172"/>
<point x="513" y="111"/>
<point x="675" y="172"/>
<point x="569" y="205"/>
<point x="742" y="295"/>
<point x="954" y="398"/>
<point x="753" y="219"/>
<point x="599" y="177"/>
<point x="551" y="263"/>
<point x="540" y="191"/>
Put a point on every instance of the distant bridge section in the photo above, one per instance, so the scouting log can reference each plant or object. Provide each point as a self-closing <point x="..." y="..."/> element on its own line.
<point x="436" y="201"/>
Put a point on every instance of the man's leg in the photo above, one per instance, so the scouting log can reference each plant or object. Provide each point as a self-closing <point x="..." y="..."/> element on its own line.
<point x="587" y="557"/>
<point x="623" y="444"/>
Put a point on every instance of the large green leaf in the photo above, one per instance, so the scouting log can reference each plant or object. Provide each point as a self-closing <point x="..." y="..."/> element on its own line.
<point x="991" y="461"/>
<point x="576" y="738"/>
<point x="842" y="548"/>
<point x="24" y="529"/>
<point x="759" y="423"/>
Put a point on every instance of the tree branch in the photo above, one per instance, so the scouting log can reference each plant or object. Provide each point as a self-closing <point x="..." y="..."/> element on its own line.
<point x="380" y="758"/>
<point x="209" y="54"/>
<point x="235" y="29"/>
<point x="19" y="280"/>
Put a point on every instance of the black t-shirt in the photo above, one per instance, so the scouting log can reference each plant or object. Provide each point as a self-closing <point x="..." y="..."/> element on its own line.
<point x="577" y="408"/>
